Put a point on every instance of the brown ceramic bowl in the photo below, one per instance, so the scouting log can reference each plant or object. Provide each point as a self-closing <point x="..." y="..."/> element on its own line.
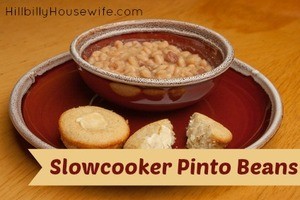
<point x="153" y="94"/>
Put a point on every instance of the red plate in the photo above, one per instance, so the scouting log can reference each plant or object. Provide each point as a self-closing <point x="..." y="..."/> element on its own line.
<point x="244" y="101"/>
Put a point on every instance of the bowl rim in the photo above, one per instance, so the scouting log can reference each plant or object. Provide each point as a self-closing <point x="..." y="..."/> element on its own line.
<point x="138" y="81"/>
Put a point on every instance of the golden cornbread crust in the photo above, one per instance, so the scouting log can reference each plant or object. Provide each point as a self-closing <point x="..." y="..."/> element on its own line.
<point x="73" y="135"/>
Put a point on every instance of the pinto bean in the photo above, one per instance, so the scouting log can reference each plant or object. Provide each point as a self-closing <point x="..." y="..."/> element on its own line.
<point x="149" y="59"/>
<point x="171" y="57"/>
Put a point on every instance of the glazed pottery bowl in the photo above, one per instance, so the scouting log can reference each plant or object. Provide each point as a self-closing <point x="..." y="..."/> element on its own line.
<point x="54" y="86"/>
<point x="152" y="94"/>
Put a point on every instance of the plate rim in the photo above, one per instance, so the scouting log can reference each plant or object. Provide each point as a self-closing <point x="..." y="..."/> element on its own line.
<point x="25" y="82"/>
<point x="273" y="94"/>
<point x="21" y="88"/>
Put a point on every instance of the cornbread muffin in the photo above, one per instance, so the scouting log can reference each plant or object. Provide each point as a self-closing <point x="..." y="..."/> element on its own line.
<point x="205" y="133"/>
<point x="92" y="127"/>
<point x="156" y="135"/>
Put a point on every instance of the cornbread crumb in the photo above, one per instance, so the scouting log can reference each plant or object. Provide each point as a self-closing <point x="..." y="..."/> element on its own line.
<point x="205" y="133"/>
<point x="156" y="135"/>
